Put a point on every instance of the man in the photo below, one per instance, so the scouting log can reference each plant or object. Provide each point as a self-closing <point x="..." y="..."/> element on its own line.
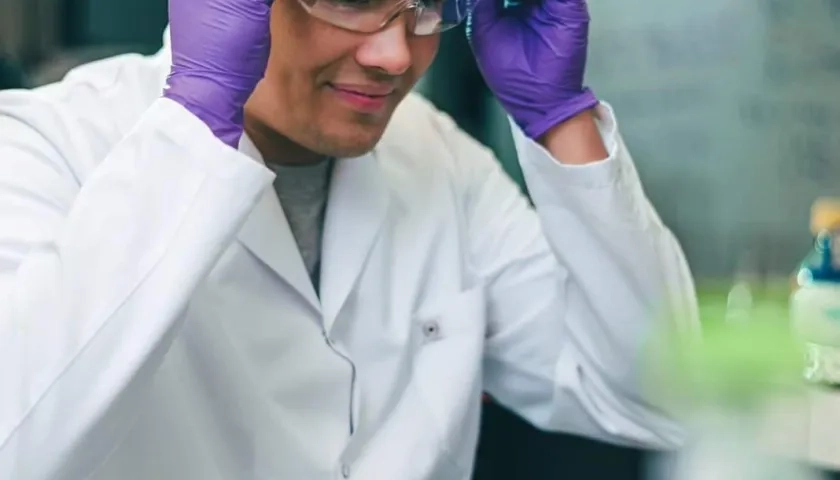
<point x="168" y="315"/>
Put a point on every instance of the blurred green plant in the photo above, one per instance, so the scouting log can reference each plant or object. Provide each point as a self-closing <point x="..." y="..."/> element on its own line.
<point x="747" y="352"/>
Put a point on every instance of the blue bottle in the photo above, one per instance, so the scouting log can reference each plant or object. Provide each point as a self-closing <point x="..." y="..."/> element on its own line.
<point x="815" y="301"/>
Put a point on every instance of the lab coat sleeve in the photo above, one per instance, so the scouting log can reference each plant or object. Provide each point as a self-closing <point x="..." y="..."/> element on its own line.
<point x="94" y="278"/>
<point x="578" y="290"/>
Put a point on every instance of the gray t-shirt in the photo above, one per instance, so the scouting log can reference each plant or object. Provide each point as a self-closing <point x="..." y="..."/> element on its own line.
<point x="302" y="190"/>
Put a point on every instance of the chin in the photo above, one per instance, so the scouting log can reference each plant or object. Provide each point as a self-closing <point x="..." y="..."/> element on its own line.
<point x="350" y="142"/>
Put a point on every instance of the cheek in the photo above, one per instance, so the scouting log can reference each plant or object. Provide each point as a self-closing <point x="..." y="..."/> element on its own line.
<point x="423" y="52"/>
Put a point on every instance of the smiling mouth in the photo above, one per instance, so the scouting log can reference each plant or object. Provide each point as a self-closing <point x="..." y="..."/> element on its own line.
<point x="362" y="101"/>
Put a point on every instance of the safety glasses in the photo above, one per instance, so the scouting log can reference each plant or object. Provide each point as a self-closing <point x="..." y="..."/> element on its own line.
<point x="368" y="16"/>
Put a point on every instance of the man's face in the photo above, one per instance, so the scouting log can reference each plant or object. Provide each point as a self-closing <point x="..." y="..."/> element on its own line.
<point x="333" y="91"/>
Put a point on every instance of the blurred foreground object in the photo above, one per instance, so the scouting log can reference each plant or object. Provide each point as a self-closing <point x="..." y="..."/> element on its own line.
<point x="724" y="385"/>
<point x="815" y="301"/>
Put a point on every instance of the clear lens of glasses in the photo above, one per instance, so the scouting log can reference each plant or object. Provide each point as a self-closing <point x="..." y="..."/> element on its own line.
<point x="368" y="16"/>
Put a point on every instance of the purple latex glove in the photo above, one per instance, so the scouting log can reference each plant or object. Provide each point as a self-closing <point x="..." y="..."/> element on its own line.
<point x="533" y="57"/>
<point x="219" y="54"/>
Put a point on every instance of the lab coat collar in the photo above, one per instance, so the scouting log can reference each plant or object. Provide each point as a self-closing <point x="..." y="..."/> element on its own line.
<point x="356" y="210"/>
<point x="167" y="38"/>
<point x="267" y="235"/>
<point x="164" y="55"/>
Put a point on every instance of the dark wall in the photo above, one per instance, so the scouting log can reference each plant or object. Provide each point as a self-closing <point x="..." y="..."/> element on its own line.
<point x="11" y="75"/>
<point x="137" y="23"/>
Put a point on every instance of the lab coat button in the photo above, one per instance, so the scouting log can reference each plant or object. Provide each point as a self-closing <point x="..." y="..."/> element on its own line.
<point x="431" y="330"/>
<point x="345" y="470"/>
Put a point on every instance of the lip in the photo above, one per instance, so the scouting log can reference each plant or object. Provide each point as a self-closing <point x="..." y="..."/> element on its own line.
<point x="363" y="98"/>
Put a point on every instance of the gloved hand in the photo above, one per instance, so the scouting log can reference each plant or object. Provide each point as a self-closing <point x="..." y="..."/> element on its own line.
<point x="533" y="57"/>
<point x="219" y="54"/>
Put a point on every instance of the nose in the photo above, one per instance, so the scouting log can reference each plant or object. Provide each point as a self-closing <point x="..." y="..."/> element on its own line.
<point x="387" y="50"/>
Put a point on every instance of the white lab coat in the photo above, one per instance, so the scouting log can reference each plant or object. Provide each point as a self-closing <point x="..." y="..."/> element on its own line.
<point x="157" y="322"/>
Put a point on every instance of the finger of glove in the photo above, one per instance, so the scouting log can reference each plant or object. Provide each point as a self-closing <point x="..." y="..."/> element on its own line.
<point x="221" y="27"/>
<point x="222" y="11"/>
<point x="257" y="11"/>
<point x="565" y="11"/>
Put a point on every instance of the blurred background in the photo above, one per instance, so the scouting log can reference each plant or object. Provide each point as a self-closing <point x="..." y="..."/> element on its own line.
<point x="730" y="107"/>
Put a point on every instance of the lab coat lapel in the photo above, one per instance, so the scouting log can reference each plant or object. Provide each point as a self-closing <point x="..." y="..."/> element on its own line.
<point x="356" y="211"/>
<point x="266" y="234"/>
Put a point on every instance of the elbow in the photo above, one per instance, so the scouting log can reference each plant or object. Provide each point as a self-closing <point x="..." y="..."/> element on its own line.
<point x="590" y="405"/>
